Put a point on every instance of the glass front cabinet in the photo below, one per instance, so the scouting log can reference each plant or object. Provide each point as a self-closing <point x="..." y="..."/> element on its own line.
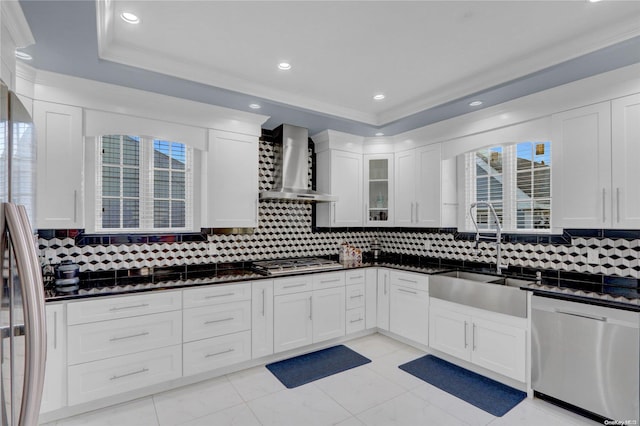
<point x="378" y="190"/>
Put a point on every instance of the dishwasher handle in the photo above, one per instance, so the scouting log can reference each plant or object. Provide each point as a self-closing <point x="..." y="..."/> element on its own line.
<point x="581" y="315"/>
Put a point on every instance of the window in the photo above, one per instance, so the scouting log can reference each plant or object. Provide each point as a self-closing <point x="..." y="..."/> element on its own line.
<point x="143" y="184"/>
<point x="516" y="180"/>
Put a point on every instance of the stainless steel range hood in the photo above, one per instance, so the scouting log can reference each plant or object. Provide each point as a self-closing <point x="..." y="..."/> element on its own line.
<point x="291" y="168"/>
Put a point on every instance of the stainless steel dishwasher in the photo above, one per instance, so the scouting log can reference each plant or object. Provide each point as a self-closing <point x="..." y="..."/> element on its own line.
<point x="587" y="356"/>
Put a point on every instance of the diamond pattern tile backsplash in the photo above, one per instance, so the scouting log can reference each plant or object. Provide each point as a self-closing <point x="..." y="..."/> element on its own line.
<point x="285" y="230"/>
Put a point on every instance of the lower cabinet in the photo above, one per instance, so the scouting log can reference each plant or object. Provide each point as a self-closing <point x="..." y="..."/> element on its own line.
<point x="409" y="313"/>
<point x="328" y="313"/>
<point x="292" y="326"/>
<point x="54" y="393"/>
<point x="208" y="354"/>
<point x="493" y="341"/>
<point x="384" y="287"/>
<point x="261" y="319"/>
<point x="355" y="301"/>
<point x="99" y="379"/>
<point x="409" y="306"/>
<point x="302" y="316"/>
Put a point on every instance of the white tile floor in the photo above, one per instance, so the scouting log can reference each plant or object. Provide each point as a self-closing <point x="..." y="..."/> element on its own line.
<point x="378" y="393"/>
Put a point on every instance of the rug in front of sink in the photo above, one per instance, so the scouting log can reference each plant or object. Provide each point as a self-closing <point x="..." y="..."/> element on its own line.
<point x="487" y="394"/>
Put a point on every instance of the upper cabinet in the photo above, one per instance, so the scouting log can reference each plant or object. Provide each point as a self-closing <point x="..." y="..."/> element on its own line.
<point x="339" y="173"/>
<point x="588" y="191"/>
<point x="425" y="188"/>
<point x="378" y="189"/>
<point x="60" y="156"/>
<point x="230" y="181"/>
<point x="625" y="140"/>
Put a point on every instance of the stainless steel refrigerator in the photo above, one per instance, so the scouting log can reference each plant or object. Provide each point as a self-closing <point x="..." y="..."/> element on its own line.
<point x="22" y="312"/>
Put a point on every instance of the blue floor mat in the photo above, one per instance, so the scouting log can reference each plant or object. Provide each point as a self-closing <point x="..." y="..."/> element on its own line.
<point x="486" y="394"/>
<point x="297" y="371"/>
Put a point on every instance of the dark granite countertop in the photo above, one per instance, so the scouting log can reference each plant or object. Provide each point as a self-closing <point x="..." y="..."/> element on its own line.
<point x="588" y="289"/>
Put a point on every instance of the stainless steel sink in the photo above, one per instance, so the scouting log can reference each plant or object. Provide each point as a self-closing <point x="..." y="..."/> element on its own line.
<point x="490" y="292"/>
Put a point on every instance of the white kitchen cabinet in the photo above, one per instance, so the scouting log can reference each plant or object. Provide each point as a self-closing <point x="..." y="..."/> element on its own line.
<point x="424" y="188"/>
<point x="117" y="344"/>
<point x="106" y="339"/>
<point x="595" y="155"/>
<point x="301" y="316"/>
<point x="205" y="355"/>
<point x="54" y="393"/>
<point x="383" y="289"/>
<point x="378" y="190"/>
<point x="371" y="298"/>
<point x="231" y="181"/>
<point x="625" y="142"/>
<point x="262" y="319"/>
<point x="339" y="173"/>
<point x="581" y="161"/>
<point x="60" y="160"/>
<point x="493" y="341"/>
<point x="216" y="320"/>
<point x="328" y="313"/>
<point x="292" y="324"/>
<point x="111" y="376"/>
<point x="409" y="306"/>
<point x="109" y="308"/>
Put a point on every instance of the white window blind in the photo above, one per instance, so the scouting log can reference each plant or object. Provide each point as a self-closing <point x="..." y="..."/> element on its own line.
<point x="516" y="180"/>
<point x="143" y="184"/>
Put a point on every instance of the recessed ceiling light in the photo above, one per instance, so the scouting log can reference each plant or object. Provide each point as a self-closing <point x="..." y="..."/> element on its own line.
<point x="475" y="103"/>
<point x="254" y="106"/>
<point x="379" y="134"/>
<point x="130" y="18"/>
<point x="23" y="55"/>
<point x="594" y="1"/>
<point x="378" y="97"/>
<point x="284" y="66"/>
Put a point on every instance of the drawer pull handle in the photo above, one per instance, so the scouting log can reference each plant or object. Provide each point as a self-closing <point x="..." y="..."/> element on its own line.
<point x="143" y="370"/>
<point x="294" y="285"/>
<point x="220" y="320"/>
<point x="357" y="277"/>
<point x="407" y="281"/>
<point x="334" y="280"/>
<point x="358" y="320"/>
<point x="120" y="308"/>
<point x="356" y="296"/>
<point x="407" y="291"/>
<point x="219" y="353"/>
<point x="218" y="295"/>
<point x="115" y="339"/>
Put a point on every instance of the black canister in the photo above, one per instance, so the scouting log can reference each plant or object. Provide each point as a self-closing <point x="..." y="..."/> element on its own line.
<point x="66" y="270"/>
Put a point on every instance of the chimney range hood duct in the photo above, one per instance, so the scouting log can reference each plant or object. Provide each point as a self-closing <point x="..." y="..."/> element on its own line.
<point x="291" y="171"/>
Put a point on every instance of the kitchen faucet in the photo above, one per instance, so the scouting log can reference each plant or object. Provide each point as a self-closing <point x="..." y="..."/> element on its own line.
<point x="498" y="237"/>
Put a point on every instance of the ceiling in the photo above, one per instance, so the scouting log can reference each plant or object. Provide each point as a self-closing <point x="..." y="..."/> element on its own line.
<point x="429" y="58"/>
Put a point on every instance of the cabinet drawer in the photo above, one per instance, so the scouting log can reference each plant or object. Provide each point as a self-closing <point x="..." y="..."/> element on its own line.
<point x="355" y="296"/>
<point x="209" y="354"/>
<point x="328" y="280"/>
<point x="217" y="294"/>
<point x="292" y="285"/>
<point x="99" y="379"/>
<point x="211" y="321"/>
<point x="354" y="277"/>
<point x="406" y="279"/>
<point x="122" y="307"/>
<point x="355" y="320"/>
<point x="106" y="339"/>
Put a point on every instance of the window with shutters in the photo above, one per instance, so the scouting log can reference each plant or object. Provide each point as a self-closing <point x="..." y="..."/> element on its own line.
<point x="516" y="180"/>
<point x="143" y="184"/>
